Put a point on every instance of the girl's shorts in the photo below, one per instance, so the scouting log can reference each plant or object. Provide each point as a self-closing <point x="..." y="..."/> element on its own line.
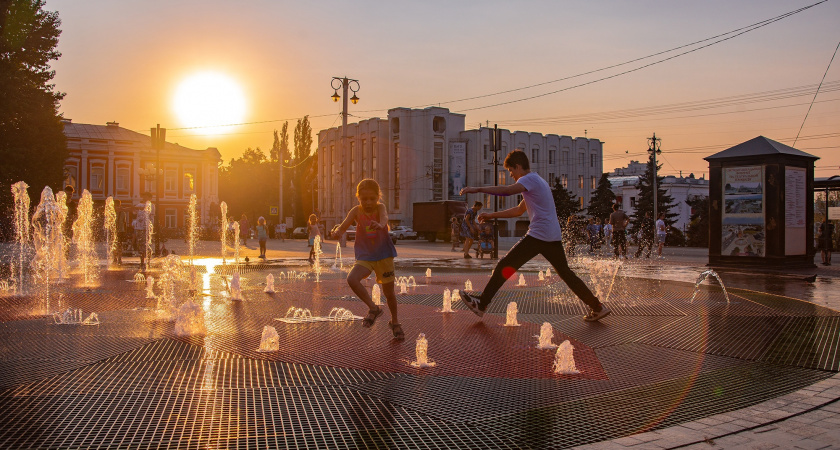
<point x="384" y="269"/>
<point x="311" y="242"/>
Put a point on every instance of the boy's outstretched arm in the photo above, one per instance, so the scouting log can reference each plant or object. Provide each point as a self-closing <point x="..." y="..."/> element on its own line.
<point x="511" y="189"/>
<point x="351" y="217"/>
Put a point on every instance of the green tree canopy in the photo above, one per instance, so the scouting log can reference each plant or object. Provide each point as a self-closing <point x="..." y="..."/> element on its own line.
<point x="698" y="226"/>
<point x="32" y="143"/>
<point x="600" y="205"/>
<point x="565" y="202"/>
<point x="644" y="201"/>
<point x="249" y="185"/>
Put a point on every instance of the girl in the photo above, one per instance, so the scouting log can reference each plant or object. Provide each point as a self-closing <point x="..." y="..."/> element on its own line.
<point x="374" y="252"/>
<point x="314" y="231"/>
<point x="262" y="235"/>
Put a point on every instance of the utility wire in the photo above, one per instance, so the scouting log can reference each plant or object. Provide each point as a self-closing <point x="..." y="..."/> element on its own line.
<point x="815" y="94"/>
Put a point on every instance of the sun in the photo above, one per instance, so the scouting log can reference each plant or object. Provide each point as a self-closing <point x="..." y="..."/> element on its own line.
<point x="209" y="100"/>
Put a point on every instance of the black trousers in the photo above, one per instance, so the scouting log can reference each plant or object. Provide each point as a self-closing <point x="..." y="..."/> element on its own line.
<point x="525" y="250"/>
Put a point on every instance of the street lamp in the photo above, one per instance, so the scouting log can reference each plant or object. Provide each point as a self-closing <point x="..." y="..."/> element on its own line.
<point x="158" y="141"/>
<point x="654" y="148"/>
<point x="353" y="85"/>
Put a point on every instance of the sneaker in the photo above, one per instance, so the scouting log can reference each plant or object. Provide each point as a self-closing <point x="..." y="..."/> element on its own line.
<point x="467" y="256"/>
<point x="596" y="316"/>
<point x="472" y="303"/>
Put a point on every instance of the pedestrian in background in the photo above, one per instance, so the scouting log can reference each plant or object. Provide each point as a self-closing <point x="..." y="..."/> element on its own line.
<point x="619" y="221"/>
<point x="262" y="235"/>
<point x="244" y="230"/>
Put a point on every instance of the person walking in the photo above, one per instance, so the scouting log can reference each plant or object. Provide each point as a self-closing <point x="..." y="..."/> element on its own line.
<point x="281" y="231"/>
<point x="661" y="234"/>
<point x="608" y="230"/>
<point x="826" y="241"/>
<point x="262" y="235"/>
<point x="645" y="236"/>
<point x="619" y="222"/>
<point x="469" y="229"/>
<point x="456" y="232"/>
<point x="244" y="230"/>
<point x="543" y="237"/>
<point x="314" y="231"/>
<point x="375" y="252"/>
<point x="593" y="231"/>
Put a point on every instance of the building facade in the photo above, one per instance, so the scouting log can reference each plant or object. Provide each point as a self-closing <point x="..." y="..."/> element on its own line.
<point x="108" y="160"/>
<point x="681" y="189"/>
<point x="420" y="155"/>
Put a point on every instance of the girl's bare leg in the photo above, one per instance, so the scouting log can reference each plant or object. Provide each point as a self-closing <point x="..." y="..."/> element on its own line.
<point x="391" y="297"/>
<point x="354" y="279"/>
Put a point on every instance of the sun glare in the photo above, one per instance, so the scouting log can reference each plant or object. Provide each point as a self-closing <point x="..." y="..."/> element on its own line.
<point x="209" y="100"/>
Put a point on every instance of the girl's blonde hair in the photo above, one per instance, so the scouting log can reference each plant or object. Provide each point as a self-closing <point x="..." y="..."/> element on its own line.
<point x="368" y="184"/>
<point x="312" y="219"/>
<point x="261" y="221"/>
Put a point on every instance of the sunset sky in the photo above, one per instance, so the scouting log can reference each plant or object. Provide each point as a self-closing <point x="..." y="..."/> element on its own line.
<point x="124" y="61"/>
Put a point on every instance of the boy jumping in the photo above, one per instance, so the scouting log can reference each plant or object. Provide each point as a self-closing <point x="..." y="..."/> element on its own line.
<point x="543" y="237"/>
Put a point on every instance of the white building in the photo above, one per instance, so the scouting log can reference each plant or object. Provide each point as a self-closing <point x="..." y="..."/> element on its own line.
<point x="420" y="155"/>
<point x="679" y="188"/>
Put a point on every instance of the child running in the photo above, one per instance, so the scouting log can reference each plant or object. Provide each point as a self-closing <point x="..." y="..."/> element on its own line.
<point x="543" y="238"/>
<point x="374" y="252"/>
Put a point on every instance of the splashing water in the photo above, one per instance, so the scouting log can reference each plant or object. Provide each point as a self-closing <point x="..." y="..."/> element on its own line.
<point x="167" y="304"/>
<point x="269" y="284"/>
<point x="84" y="242"/>
<point x="270" y="340"/>
<point x="421" y="350"/>
<point x="298" y="313"/>
<point x="602" y="274"/>
<point x="468" y="285"/>
<point x="236" y="245"/>
<point x="338" y="264"/>
<point x="150" y="286"/>
<point x="223" y="230"/>
<point x="428" y="273"/>
<point x="22" y="236"/>
<point x="139" y="277"/>
<point x="74" y="317"/>
<point x="61" y="240"/>
<point x="376" y="295"/>
<point x="412" y="282"/>
<point x="510" y="315"/>
<point x="564" y="359"/>
<point x="192" y="225"/>
<point x="404" y="287"/>
<point x="317" y="266"/>
<point x="190" y="320"/>
<point x="447" y="301"/>
<point x="541" y="276"/>
<point x="521" y="280"/>
<point x="235" y="287"/>
<point x="456" y="295"/>
<point x="546" y="334"/>
<point x="110" y="226"/>
<point x="702" y="277"/>
<point x="46" y="233"/>
<point x="340" y="315"/>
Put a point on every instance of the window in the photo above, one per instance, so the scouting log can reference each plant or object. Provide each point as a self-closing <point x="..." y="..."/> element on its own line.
<point x="171" y="218"/>
<point x="97" y="178"/>
<point x="149" y="180"/>
<point x="580" y="181"/>
<point x="594" y="183"/>
<point x="632" y="202"/>
<point x="486" y="151"/>
<point x="437" y="172"/>
<point x="189" y="182"/>
<point x="551" y="156"/>
<point x="581" y="202"/>
<point x="564" y="157"/>
<point x="373" y="152"/>
<point x="592" y="160"/>
<point x="122" y="178"/>
<point x="551" y="178"/>
<point x="71" y="175"/>
<point x="364" y="169"/>
<point x="581" y="157"/>
<point x="332" y="177"/>
<point x="565" y="180"/>
<point x="396" y="176"/>
<point x="488" y="177"/>
<point x="169" y="181"/>
<point x="535" y="155"/>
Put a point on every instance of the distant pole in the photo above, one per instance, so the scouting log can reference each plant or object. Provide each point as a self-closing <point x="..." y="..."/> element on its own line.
<point x="280" y="217"/>
<point x="495" y="138"/>
<point x="158" y="140"/>
<point x="654" y="148"/>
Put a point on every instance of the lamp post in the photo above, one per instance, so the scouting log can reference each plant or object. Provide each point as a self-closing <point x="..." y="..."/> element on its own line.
<point x="654" y="148"/>
<point x="344" y="186"/>
<point x="158" y="140"/>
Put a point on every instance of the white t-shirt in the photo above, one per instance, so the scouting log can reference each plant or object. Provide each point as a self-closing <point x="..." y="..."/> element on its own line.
<point x="660" y="227"/>
<point x="540" y="203"/>
<point x="608" y="229"/>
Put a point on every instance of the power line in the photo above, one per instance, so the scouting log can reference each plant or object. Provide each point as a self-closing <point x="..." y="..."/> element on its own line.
<point x="815" y="93"/>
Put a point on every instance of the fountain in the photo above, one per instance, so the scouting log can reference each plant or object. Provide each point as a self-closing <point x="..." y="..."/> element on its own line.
<point x="316" y="267"/>
<point x="403" y="287"/>
<point x="110" y="225"/>
<point x="150" y="286"/>
<point x="150" y="232"/>
<point x="341" y="315"/>
<point x="376" y="295"/>
<point x="22" y="236"/>
<point x="47" y="240"/>
<point x="139" y="277"/>
<point x="236" y="245"/>
<point x="421" y="351"/>
<point x="270" y="340"/>
<point x="521" y="280"/>
<point x="447" y="301"/>
<point x="167" y="303"/>
<point x="564" y="359"/>
<point x="412" y="281"/>
<point x="190" y="320"/>
<point x="702" y="277"/>
<point x="192" y="226"/>
<point x="456" y="295"/>
<point x="235" y="287"/>
<point x="338" y="264"/>
<point x="428" y="273"/>
<point x="468" y="285"/>
<point x="83" y="239"/>
<point x="223" y="231"/>
<point x="74" y="317"/>
<point x="546" y="333"/>
<point x="602" y="274"/>
<point x="510" y="316"/>
<point x="269" y="284"/>
<point x="297" y="315"/>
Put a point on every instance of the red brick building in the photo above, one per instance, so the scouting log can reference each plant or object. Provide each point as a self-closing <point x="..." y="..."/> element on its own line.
<point x="108" y="160"/>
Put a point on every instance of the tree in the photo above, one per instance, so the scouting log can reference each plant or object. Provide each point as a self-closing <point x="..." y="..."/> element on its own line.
<point x="600" y="205"/>
<point x="248" y="185"/>
<point x="304" y="189"/>
<point x="698" y="225"/>
<point x="33" y="147"/>
<point x="644" y="201"/>
<point x="565" y="202"/>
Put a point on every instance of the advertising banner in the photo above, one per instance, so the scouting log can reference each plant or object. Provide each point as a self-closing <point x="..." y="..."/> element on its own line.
<point x="457" y="170"/>
<point x="743" y="232"/>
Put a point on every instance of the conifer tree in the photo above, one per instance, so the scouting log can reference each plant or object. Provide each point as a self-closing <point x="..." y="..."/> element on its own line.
<point x="565" y="202"/>
<point x="600" y="205"/>
<point x="698" y="225"/>
<point x="644" y="200"/>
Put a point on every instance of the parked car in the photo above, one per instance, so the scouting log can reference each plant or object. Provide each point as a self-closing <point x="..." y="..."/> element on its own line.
<point x="300" y="233"/>
<point x="402" y="232"/>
